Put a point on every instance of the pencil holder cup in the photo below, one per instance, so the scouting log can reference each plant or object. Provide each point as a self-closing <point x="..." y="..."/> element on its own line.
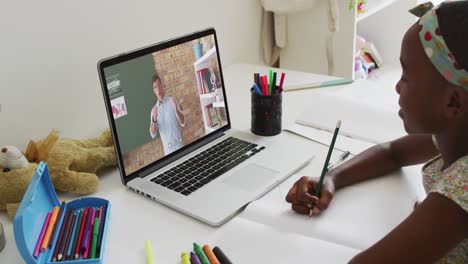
<point x="266" y="114"/>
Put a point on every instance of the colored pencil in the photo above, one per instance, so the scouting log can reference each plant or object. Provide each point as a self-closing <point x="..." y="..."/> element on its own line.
<point x="314" y="85"/>
<point x="88" y="233"/>
<point x="71" y="255"/>
<point x="59" y="239"/>
<point x="94" y="237"/>
<point x="101" y="230"/>
<point x="66" y="235"/>
<point x="50" y="227"/>
<point x="75" y="230"/>
<point x="80" y="236"/>
<point x="57" y="219"/>
<point x="42" y="234"/>
<point x="325" y="165"/>
<point x="100" y="213"/>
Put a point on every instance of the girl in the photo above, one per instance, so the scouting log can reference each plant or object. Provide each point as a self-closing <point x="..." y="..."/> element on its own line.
<point x="433" y="99"/>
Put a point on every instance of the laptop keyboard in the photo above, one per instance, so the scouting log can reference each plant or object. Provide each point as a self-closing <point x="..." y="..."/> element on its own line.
<point x="206" y="166"/>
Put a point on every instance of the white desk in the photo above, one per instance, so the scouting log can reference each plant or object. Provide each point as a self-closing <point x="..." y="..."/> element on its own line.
<point x="281" y="236"/>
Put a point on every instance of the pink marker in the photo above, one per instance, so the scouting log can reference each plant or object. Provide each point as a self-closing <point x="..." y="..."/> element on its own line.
<point x="41" y="236"/>
<point x="280" y="88"/>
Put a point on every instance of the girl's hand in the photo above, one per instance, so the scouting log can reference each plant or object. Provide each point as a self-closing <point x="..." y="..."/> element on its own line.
<point x="302" y="197"/>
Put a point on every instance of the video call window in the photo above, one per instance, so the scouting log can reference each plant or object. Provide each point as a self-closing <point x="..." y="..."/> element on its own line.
<point x="166" y="100"/>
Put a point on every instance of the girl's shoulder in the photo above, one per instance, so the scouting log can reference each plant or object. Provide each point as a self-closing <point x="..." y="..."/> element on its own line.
<point x="453" y="181"/>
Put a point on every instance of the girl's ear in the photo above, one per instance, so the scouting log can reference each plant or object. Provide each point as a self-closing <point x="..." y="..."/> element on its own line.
<point x="457" y="102"/>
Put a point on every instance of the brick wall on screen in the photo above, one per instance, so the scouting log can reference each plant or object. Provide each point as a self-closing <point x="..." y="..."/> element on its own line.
<point x="175" y="67"/>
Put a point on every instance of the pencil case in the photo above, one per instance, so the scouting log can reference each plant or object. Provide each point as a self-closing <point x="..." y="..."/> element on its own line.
<point x="40" y="199"/>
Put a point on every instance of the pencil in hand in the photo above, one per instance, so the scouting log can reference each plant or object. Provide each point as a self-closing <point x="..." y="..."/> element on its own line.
<point x="325" y="165"/>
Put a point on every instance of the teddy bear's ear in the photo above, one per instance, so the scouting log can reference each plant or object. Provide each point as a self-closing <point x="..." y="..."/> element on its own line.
<point x="40" y="151"/>
<point x="45" y="145"/>
<point x="31" y="151"/>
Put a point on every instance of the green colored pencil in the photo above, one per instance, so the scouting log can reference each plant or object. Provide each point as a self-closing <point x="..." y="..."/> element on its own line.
<point x="327" y="160"/>
<point x="94" y="238"/>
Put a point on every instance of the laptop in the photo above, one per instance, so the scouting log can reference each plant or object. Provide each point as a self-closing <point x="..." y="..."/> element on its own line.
<point x="168" y="111"/>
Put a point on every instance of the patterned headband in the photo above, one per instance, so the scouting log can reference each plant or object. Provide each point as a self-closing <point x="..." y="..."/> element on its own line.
<point x="435" y="47"/>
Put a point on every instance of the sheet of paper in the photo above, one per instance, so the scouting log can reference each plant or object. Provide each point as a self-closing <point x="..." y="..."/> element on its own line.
<point x="244" y="241"/>
<point x="377" y="205"/>
<point x="358" y="120"/>
<point x="342" y="143"/>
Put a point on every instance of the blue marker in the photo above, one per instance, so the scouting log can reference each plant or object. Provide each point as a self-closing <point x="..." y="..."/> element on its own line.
<point x="257" y="89"/>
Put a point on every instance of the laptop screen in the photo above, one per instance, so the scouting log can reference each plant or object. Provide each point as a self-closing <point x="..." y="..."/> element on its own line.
<point x="163" y="101"/>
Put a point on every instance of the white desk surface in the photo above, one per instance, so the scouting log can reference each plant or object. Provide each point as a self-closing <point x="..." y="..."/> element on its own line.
<point x="267" y="231"/>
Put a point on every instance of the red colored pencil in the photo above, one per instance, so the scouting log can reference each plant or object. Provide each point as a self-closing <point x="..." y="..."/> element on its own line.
<point x="88" y="233"/>
<point x="80" y="237"/>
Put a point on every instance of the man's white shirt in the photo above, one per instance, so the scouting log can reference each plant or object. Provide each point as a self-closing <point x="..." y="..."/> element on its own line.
<point x="167" y="125"/>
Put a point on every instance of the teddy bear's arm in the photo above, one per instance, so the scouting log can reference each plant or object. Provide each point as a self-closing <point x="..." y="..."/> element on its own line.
<point x="104" y="140"/>
<point x="73" y="181"/>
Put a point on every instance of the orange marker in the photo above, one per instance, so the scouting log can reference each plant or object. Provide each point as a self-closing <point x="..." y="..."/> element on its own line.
<point x="52" y="221"/>
<point x="211" y="256"/>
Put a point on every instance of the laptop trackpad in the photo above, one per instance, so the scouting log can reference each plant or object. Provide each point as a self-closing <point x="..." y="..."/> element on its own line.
<point x="251" y="177"/>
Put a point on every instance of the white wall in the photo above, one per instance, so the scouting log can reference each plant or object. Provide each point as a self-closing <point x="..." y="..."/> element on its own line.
<point x="49" y="50"/>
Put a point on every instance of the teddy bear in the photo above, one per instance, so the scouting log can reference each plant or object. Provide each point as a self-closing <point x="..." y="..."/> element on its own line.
<point x="72" y="166"/>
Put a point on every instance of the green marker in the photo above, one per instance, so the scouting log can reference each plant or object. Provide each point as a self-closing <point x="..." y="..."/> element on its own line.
<point x="199" y="251"/>
<point x="270" y="81"/>
<point x="94" y="239"/>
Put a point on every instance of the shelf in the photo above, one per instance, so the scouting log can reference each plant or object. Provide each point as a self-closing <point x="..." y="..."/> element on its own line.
<point x="219" y="104"/>
<point x="211" y="129"/>
<point x="208" y="55"/>
<point x="208" y="95"/>
<point x="373" y="6"/>
<point x="207" y="99"/>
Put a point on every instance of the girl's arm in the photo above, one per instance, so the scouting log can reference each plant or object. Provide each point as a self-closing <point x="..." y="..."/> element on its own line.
<point x="435" y="227"/>
<point x="372" y="163"/>
<point x="384" y="158"/>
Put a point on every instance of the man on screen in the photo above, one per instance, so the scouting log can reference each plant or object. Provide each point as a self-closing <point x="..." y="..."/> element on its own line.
<point x="166" y="117"/>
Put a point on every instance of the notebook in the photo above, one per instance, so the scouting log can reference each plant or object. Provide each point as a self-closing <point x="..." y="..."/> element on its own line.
<point x="169" y="115"/>
<point x="374" y="125"/>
